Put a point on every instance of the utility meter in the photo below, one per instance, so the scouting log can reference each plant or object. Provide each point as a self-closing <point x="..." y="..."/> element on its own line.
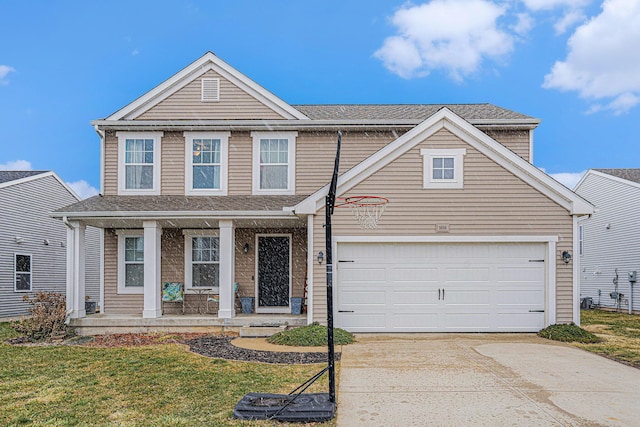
<point x="633" y="276"/>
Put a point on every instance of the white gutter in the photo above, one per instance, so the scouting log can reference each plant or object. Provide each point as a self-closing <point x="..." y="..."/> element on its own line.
<point x="180" y="214"/>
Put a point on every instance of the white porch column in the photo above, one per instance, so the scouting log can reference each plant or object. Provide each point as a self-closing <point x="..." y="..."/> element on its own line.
<point x="75" y="269"/>
<point x="226" y="308"/>
<point x="152" y="263"/>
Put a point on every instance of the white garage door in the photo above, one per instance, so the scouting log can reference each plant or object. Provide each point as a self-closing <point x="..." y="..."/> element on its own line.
<point x="440" y="287"/>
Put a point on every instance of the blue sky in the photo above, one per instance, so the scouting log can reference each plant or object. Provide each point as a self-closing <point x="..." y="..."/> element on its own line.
<point x="574" y="64"/>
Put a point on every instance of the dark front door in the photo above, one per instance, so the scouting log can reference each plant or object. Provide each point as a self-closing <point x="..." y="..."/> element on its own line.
<point x="274" y="273"/>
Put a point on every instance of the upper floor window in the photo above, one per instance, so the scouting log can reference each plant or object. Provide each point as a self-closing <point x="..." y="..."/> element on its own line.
<point x="206" y="163"/>
<point x="139" y="162"/>
<point x="22" y="273"/>
<point x="443" y="168"/>
<point x="274" y="162"/>
<point x="581" y="239"/>
<point x="202" y="260"/>
<point x="130" y="262"/>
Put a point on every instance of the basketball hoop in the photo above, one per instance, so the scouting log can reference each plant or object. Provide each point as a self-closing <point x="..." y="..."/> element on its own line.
<point x="367" y="209"/>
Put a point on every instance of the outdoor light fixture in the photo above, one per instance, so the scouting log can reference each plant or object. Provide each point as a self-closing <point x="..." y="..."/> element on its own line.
<point x="246" y="248"/>
<point x="566" y="257"/>
<point x="320" y="257"/>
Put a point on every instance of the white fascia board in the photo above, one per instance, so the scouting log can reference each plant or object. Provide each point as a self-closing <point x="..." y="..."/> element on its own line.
<point x="377" y="161"/>
<point x="575" y="204"/>
<point x="610" y="177"/>
<point x="519" y="167"/>
<point x="179" y="214"/>
<point x="40" y="176"/>
<point x="207" y="62"/>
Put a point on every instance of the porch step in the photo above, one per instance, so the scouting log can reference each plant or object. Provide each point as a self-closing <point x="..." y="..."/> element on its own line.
<point x="260" y="331"/>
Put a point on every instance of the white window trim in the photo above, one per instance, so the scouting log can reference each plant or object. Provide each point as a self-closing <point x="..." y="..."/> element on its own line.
<point x="291" y="137"/>
<point x="157" y="153"/>
<point x="188" y="279"/>
<point x="224" y="163"/>
<point x="203" y="91"/>
<point x="121" y="235"/>
<point x="429" y="154"/>
<point x="15" y="273"/>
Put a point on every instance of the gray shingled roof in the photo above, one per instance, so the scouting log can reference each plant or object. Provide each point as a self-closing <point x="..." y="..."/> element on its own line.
<point x="125" y="204"/>
<point x="406" y="111"/>
<point x="6" y="176"/>
<point x="628" y="174"/>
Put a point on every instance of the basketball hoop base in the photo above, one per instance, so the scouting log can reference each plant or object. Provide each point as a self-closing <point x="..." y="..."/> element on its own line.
<point x="367" y="209"/>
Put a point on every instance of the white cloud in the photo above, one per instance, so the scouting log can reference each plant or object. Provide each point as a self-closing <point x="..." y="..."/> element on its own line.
<point x="135" y="52"/>
<point x="572" y="11"/>
<point x="603" y="62"/>
<point x="83" y="188"/>
<point x="16" y="165"/>
<point x="568" y="179"/>
<point x="453" y="35"/>
<point x="523" y="25"/>
<point x="4" y="71"/>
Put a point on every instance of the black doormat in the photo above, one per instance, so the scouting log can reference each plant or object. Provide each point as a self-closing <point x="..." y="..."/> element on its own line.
<point x="309" y="407"/>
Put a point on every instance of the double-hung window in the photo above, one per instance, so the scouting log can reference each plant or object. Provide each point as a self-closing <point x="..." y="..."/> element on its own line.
<point x="130" y="262"/>
<point x="139" y="162"/>
<point x="206" y="163"/>
<point x="202" y="260"/>
<point x="274" y="162"/>
<point x="443" y="168"/>
<point x="22" y="273"/>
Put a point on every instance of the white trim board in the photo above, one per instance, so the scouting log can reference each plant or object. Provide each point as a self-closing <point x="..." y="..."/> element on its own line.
<point x="207" y="62"/>
<point x="446" y="119"/>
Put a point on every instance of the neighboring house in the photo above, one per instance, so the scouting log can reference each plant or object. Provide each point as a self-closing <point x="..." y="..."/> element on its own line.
<point x="209" y="179"/>
<point x="33" y="245"/>
<point x="610" y="239"/>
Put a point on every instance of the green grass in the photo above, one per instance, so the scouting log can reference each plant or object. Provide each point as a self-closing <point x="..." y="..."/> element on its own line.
<point x="163" y="385"/>
<point x="568" y="333"/>
<point x="619" y="334"/>
<point x="310" y="335"/>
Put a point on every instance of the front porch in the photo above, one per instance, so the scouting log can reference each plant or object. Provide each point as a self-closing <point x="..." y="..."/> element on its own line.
<point x="102" y="324"/>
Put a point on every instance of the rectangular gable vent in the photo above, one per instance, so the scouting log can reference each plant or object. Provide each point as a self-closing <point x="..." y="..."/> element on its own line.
<point x="210" y="90"/>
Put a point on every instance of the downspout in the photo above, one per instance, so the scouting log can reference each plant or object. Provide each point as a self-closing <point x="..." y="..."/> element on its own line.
<point x="102" y="135"/>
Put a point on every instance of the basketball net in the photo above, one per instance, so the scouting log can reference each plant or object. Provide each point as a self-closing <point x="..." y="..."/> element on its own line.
<point x="367" y="209"/>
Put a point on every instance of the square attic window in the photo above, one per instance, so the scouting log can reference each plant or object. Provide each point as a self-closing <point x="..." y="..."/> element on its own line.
<point x="210" y="90"/>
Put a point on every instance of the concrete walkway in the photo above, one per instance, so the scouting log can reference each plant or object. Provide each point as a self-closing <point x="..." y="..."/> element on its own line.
<point x="481" y="380"/>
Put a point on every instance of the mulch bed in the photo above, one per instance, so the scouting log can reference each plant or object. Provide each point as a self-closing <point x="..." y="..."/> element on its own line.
<point x="222" y="348"/>
<point x="218" y="346"/>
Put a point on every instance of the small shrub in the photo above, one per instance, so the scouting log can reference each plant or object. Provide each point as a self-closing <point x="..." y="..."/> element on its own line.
<point x="568" y="333"/>
<point x="310" y="335"/>
<point x="48" y="315"/>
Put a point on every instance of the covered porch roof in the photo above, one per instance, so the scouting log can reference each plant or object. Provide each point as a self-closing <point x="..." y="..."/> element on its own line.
<point x="184" y="211"/>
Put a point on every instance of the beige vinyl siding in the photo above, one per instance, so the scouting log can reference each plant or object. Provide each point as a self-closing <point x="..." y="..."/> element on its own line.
<point x="173" y="157"/>
<point x="515" y="140"/>
<point x="240" y="163"/>
<point x="316" y="152"/>
<point x="493" y="202"/>
<point x="186" y="104"/>
<point x="114" y="303"/>
<point x="110" y="164"/>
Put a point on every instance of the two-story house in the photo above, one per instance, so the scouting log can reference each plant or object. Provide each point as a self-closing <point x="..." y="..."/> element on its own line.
<point x="209" y="179"/>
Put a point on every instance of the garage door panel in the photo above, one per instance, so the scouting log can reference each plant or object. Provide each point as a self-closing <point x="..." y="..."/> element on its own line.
<point x="416" y="321"/>
<point x="464" y="287"/>
<point x="363" y="297"/>
<point x="467" y="274"/>
<point x="412" y="297"/>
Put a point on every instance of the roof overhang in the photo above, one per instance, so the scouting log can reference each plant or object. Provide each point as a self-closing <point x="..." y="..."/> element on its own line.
<point x="469" y="133"/>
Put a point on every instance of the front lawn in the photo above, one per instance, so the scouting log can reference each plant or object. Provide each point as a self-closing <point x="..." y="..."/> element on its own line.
<point x="620" y="334"/>
<point x="160" y="385"/>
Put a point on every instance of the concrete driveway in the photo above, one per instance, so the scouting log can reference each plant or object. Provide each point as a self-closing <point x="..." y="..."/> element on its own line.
<point x="481" y="380"/>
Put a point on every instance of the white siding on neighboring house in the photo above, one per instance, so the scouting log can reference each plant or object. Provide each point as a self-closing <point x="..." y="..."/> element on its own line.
<point x="24" y="214"/>
<point x="611" y="239"/>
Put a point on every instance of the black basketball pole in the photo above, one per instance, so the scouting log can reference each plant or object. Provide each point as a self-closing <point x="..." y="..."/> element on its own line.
<point x="329" y="205"/>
